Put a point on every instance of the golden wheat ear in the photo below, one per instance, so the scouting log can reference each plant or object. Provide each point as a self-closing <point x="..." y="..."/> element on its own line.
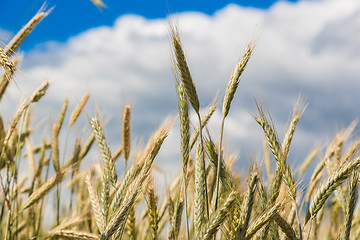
<point x="15" y="42"/>
<point x="126" y="132"/>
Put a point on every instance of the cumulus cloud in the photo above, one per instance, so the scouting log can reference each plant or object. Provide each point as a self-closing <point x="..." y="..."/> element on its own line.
<point x="309" y="48"/>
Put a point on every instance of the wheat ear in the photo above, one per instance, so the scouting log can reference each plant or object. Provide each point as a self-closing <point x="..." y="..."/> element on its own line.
<point x="219" y="216"/>
<point x="7" y="76"/>
<point x="200" y="190"/>
<point x="117" y="222"/>
<point x="39" y="92"/>
<point x="129" y="177"/>
<point x="89" y="142"/>
<point x="329" y="186"/>
<point x="247" y="207"/>
<point x="126" y="132"/>
<point x="14" y="121"/>
<point x="183" y="108"/>
<point x="61" y="115"/>
<point x="7" y="64"/>
<point x="15" y="42"/>
<point x="225" y="176"/>
<point x="72" y="234"/>
<point x="285" y="227"/>
<point x="176" y="221"/>
<point x="43" y="190"/>
<point x="95" y="204"/>
<point x="261" y="221"/>
<point x="78" y="109"/>
<point x="151" y="201"/>
<point x="104" y="149"/>
<point x="184" y="72"/>
<point x="131" y="227"/>
<point x="235" y="79"/>
<point x="55" y="147"/>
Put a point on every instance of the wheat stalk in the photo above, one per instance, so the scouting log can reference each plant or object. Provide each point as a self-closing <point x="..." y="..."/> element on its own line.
<point x="350" y="204"/>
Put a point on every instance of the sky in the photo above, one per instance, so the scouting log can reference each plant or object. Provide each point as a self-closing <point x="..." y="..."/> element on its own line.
<point x="73" y="17"/>
<point x="121" y="55"/>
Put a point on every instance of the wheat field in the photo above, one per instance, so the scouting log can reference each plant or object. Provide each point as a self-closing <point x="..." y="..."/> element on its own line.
<point x="206" y="200"/>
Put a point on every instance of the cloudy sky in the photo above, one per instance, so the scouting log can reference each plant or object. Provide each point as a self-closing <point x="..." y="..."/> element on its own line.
<point x="121" y="55"/>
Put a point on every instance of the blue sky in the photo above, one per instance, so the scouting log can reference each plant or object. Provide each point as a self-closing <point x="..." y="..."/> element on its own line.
<point x="307" y="48"/>
<point x="71" y="17"/>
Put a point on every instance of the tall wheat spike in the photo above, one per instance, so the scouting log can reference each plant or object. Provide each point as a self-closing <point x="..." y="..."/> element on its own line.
<point x="184" y="72"/>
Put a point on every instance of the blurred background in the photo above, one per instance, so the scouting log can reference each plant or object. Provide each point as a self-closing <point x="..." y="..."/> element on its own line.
<point x="120" y="54"/>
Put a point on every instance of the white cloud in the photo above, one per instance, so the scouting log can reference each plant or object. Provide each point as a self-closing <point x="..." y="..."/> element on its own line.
<point x="309" y="47"/>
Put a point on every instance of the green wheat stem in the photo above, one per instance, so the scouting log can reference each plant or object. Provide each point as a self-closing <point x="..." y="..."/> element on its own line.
<point x="203" y="156"/>
<point x="219" y="162"/>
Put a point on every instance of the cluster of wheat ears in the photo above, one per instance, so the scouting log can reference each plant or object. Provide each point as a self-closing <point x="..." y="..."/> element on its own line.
<point x="207" y="200"/>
